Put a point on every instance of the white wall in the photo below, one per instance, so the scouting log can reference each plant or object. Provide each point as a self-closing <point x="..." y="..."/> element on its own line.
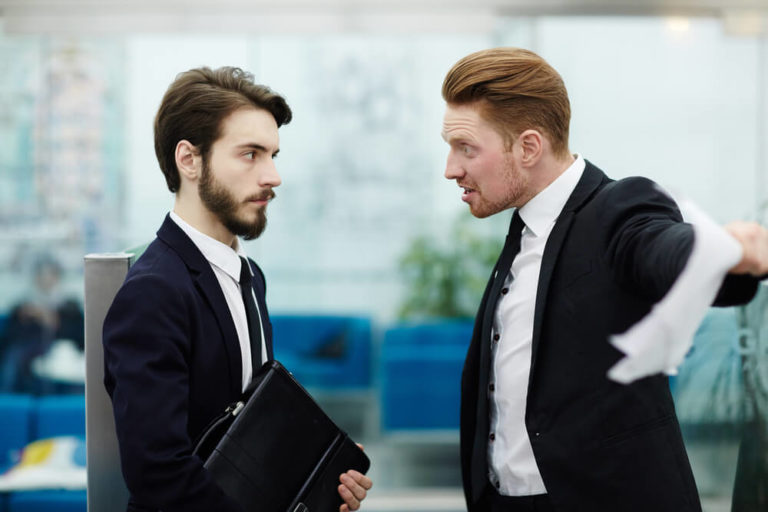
<point x="362" y="161"/>
<point x="679" y="107"/>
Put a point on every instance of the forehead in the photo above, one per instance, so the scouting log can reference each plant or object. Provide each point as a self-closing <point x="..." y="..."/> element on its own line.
<point x="250" y="125"/>
<point x="466" y="122"/>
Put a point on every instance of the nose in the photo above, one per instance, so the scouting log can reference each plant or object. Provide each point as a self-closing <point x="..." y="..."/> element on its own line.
<point x="269" y="176"/>
<point x="453" y="169"/>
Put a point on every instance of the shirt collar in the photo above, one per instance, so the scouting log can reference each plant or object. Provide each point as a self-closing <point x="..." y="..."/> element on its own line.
<point x="218" y="254"/>
<point x="542" y="211"/>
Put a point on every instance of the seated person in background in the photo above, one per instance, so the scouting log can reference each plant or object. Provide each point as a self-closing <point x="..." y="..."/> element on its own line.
<point x="43" y="321"/>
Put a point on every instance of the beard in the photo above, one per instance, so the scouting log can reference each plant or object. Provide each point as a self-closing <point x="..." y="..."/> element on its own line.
<point x="223" y="204"/>
<point x="515" y="190"/>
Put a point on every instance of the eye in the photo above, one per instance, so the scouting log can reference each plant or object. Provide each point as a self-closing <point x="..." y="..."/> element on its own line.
<point x="250" y="155"/>
<point x="466" y="150"/>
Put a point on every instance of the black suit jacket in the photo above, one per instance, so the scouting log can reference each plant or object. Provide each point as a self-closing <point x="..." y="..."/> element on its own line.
<point x="615" y="249"/>
<point x="172" y="363"/>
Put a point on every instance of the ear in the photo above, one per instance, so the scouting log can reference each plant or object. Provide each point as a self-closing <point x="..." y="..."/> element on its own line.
<point x="532" y="146"/>
<point x="188" y="161"/>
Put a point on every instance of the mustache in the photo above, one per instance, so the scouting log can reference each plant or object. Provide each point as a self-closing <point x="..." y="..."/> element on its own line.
<point x="267" y="195"/>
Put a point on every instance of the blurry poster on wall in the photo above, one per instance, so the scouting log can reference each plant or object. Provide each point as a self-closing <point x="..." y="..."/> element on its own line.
<point x="62" y="155"/>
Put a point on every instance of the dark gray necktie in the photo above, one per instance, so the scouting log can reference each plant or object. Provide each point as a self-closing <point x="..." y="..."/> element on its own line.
<point x="479" y="469"/>
<point x="251" y="312"/>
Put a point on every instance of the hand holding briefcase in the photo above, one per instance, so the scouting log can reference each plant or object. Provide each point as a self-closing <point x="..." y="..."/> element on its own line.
<point x="275" y="450"/>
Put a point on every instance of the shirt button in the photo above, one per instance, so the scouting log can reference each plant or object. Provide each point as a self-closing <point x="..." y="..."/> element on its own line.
<point x="504" y="291"/>
<point x="496" y="337"/>
<point x="492" y="437"/>
<point x="492" y="388"/>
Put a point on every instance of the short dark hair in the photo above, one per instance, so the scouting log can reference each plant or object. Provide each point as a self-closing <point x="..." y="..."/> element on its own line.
<point x="515" y="90"/>
<point x="196" y="103"/>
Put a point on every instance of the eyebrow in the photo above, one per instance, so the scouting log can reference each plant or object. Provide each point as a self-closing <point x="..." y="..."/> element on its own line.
<point x="457" y="139"/>
<point x="257" y="147"/>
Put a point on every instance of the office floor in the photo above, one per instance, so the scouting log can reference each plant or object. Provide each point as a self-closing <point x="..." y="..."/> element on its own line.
<point x="420" y="473"/>
<point x="452" y="500"/>
<point x="440" y="500"/>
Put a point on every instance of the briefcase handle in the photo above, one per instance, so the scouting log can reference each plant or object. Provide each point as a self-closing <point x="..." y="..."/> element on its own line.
<point x="213" y="432"/>
<point x="210" y="436"/>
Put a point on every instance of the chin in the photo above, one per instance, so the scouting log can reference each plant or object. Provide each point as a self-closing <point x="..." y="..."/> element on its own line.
<point x="481" y="214"/>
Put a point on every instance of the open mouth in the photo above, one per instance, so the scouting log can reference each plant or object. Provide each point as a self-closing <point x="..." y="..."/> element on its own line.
<point x="467" y="193"/>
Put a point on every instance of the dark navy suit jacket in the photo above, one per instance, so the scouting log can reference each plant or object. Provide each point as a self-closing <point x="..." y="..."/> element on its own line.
<point x="600" y="446"/>
<point x="172" y="363"/>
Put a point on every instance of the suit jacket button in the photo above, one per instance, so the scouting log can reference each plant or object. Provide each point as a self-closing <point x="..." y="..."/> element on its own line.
<point x="492" y="437"/>
<point x="504" y="291"/>
<point x="491" y="388"/>
<point x="496" y="337"/>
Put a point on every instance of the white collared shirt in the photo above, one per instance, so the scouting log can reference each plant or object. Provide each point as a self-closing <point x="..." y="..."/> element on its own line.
<point x="225" y="262"/>
<point x="512" y="465"/>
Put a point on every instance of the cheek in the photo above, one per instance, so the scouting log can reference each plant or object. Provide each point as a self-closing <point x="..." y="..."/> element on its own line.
<point x="235" y="176"/>
<point x="488" y="170"/>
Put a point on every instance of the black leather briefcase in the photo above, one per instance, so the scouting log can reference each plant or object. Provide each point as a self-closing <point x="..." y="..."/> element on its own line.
<point x="275" y="450"/>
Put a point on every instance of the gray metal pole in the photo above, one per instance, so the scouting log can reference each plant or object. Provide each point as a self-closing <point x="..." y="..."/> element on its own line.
<point x="104" y="274"/>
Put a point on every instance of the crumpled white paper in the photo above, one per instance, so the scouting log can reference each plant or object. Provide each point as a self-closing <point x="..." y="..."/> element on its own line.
<point x="659" y="342"/>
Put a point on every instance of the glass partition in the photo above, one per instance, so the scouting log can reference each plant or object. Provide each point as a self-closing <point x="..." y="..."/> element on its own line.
<point x="364" y="221"/>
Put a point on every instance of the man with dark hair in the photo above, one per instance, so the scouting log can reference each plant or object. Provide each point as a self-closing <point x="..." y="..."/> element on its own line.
<point x="542" y="426"/>
<point x="189" y="326"/>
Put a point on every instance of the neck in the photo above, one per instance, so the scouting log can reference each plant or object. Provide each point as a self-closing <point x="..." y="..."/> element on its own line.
<point x="548" y="169"/>
<point x="194" y="213"/>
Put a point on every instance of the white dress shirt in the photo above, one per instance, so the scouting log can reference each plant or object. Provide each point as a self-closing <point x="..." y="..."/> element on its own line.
<point x="225" y="262"/>
<point x="512" y="465"/>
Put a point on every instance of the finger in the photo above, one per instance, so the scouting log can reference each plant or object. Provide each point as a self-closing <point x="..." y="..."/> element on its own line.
<point x="350" y="500"/>
<point x="357" y="489"/>
<point x="360" y="478"/>
<point x="344" y="508"/>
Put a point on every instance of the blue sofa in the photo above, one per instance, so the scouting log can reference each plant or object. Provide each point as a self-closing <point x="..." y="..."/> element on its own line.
<point x="16" y="427"/>
<point x="25" y="419"/>
<point x="47" y="501"/>
<point x="325" y="352"/>
<point x="421" y="375"/>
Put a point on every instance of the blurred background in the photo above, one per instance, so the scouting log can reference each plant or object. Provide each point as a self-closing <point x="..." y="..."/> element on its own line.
<point x="374" y="267"/>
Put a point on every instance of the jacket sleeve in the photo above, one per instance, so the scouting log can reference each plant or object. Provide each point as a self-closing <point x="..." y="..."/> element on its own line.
<point x="146" y="353"/>
<point x="647" y="244"/>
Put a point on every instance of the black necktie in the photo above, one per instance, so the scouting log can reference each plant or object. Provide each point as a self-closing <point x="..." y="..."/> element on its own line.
<point x="251" y="312"/>
<point x="479" y="468"/>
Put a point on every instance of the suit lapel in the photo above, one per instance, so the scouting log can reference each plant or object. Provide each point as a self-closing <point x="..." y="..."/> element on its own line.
<point x="208" y="285"/>
<point x="589" y="182"/>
